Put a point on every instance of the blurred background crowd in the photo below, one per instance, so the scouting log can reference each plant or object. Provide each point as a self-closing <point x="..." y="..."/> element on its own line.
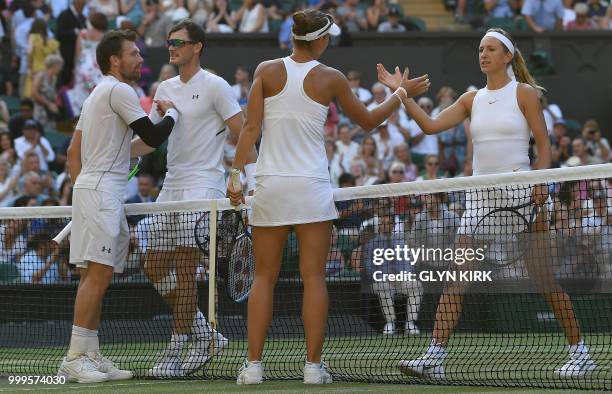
<point x="48" y="68"/>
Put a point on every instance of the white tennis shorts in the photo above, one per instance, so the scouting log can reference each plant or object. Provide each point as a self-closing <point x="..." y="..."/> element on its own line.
<point x="99" y="230"/>
<point x="170" y="230"/>
<point x="479" y="203"/>
<point x="284" y="200"/>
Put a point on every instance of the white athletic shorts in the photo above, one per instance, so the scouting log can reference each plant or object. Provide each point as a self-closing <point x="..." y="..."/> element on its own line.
<point x="100" y="230"/>
<point x="170" y="230"/>
<point x="285" y="200"/>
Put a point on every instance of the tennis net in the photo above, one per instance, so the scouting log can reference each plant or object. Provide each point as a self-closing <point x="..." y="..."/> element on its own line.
<point x="395" y="248"/>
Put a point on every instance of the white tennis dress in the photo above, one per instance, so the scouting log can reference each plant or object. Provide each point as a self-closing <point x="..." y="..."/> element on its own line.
<point x="292" y="181"/>
<point x="500" y="135"/>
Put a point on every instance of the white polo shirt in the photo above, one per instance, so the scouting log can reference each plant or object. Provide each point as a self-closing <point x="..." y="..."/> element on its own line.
<point x="195" y="147"/>
<point x="22" y="146"/>
<point x="429" y="143"/>
<point x="106" y="136"/>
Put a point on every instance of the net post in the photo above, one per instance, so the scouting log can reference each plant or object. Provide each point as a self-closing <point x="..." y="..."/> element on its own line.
<point x="212" y="267"/>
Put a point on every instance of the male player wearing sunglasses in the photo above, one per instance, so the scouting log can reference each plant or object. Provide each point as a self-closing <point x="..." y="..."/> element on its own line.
<point x="195" y="172"/>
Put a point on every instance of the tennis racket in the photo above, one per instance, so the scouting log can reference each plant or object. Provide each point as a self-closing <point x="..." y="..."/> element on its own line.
<point x="503" y="245"/>
<point x="240" y="269"/>
<point x="135" y="164"/>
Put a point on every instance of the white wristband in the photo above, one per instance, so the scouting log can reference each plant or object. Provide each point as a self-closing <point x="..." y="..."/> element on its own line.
<point x="249" y="171"/>
<point x="401" y="89"/>
<point x="173" y="113"/>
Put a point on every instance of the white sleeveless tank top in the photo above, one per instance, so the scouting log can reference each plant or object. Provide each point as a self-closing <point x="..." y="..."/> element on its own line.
<point x="500" y="132"/>
<point x="293" y="136"/>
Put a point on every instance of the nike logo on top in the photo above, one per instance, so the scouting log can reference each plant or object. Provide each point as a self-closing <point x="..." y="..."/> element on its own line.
<point x="493" y="102"/>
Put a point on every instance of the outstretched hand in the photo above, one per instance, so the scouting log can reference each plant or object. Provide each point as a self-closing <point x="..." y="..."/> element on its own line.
<point x="392" y="81"/>
<point x="414" y="87"/>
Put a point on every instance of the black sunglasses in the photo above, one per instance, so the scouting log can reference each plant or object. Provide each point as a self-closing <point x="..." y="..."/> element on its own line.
<point x="178" y="43"/>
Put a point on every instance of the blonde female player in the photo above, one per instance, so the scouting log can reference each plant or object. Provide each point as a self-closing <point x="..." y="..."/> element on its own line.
<point x="289" y="98"/>
<point x="502" y="115"/>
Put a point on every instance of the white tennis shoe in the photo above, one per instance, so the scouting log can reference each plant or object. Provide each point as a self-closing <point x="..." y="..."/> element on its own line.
<point x="168" y="366"/>
<point x="316" y="374"/>
<point x="250" y="373"/>
<point x="579" y="364"/>
<point x="202" y="350"/>
<point x="389" y="329"/>
<point x="82" y="369"/>
<point x="105" y="365"/>
<point x="429" y="366"/>
<point x="410" y="328"/>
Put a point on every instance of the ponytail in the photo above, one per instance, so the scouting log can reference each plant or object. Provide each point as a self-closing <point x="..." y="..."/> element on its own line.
<point x="522" y="72"/>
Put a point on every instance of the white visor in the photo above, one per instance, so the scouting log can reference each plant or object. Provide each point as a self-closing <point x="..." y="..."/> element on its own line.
<point x="330" y="28"/>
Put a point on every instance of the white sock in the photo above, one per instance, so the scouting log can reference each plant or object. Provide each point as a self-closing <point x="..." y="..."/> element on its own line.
<point x="318" y="365"/>
<point x="81" y="341"/>
<point x="176" y="343"/>
<point x="200" y="327"/>
<point x="93" y="344"/>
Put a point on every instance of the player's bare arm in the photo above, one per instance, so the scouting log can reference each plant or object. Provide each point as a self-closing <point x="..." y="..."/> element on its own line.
<point x="74" y="155"/>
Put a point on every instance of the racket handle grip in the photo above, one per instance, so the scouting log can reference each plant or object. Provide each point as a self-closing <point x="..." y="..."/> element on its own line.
<point x="63" y="234"/>
<point x="235" y="178"/>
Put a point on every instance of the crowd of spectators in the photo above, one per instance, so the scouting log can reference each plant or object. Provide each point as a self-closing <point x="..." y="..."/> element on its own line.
<point x="48" y="62"/>
<point x="535" y="15"/>
<point x="33" y="174"/>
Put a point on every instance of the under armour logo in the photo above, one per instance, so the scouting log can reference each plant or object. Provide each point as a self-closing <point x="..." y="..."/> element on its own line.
<point x="195" y="96"/>
<point x="493" y="102"/>
<point x="105" y="249"/>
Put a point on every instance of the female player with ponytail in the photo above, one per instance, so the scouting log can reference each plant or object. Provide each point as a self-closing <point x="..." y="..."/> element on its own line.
<point x="503" y="116"/>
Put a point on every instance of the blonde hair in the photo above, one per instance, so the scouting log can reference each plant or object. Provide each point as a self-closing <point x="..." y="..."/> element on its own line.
<point x="53" y="60"/>
<point x="519" y="66"/>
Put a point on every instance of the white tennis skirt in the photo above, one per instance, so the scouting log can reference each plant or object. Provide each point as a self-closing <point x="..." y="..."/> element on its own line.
<point x="285" y="200"/>
<point x="478" y="203"/>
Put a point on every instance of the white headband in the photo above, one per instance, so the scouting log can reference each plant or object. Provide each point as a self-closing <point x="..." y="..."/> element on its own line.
<point x="503" y="39"/>
<point x="508" y="44"/>
<point x="334" y="30"/>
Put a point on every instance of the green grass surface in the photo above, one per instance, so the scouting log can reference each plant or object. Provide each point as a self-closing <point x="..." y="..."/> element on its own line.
<point x="492" y="359"/>
<point x="171" y="387"/>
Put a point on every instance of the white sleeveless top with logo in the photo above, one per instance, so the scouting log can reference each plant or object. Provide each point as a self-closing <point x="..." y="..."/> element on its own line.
<point x="500" y="133"/>
<point x="293" y="183"/>
<point x="500" y="136"/>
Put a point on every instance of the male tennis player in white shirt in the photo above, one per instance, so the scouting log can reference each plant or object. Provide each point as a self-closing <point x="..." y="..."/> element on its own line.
<point x="195" y="172"/>
<point x="98" y="161"/>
